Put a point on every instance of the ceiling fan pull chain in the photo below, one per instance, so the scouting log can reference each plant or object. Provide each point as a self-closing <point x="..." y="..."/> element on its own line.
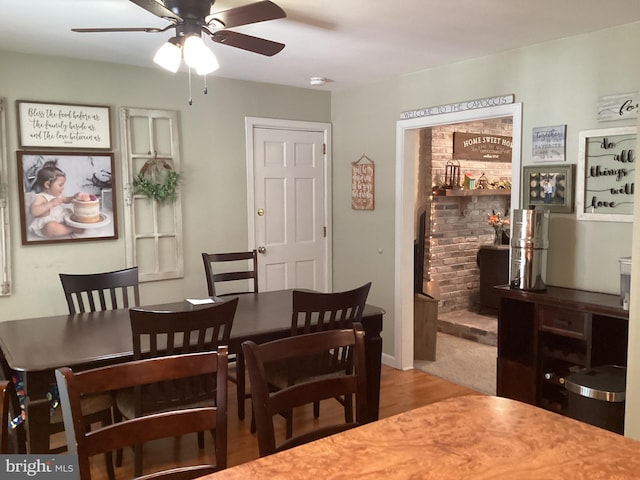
<point x="205" y="84"/>
<point x="190" y="98"/>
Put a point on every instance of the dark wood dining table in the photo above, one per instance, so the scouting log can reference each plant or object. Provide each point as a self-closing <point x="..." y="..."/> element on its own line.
<point x="37" y="346"/>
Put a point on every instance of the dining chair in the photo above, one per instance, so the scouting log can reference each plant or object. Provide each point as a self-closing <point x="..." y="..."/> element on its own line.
<point x="160" y="333"/>
<point x="97" y="409"/>
<point x="238" y="267"/>
<point x="101" y="291"/>
<point x="289" y="353"/>
<point x="84" y="292"/>
<point x="202" y="373"/>
<point x="316" y="311"/>
<point x="16" y="433"/>
<point x="245" y="267"/>
<point x="89" y="293"/>
<point x="8" y="395"/>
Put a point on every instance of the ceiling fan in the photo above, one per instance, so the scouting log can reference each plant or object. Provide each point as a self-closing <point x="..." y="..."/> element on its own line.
<point x="191" y="18"/>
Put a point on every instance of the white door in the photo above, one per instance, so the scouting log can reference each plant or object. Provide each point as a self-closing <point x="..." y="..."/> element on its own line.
<point x="290" y="207"/>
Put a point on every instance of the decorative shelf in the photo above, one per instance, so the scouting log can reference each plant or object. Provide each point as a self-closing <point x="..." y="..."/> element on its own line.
<point x="476" y="192"/>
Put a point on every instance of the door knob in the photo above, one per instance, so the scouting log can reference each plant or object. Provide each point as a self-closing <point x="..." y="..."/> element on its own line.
<point x="260" y="212"/>
<point x="262" y="250"/>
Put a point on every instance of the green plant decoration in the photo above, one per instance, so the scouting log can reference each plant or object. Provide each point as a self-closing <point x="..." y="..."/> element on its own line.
<point x="157" y="180"/>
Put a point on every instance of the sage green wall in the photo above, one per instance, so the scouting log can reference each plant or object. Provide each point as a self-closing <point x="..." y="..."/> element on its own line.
<point x="213" y="155"/>
<point x="557" y="82"/>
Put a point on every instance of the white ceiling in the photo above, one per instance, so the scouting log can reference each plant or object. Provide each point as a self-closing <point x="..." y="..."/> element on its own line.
<point x="350" y="42"/>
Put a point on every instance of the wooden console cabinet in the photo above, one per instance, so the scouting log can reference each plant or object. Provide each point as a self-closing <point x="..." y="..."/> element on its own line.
<point x="543" y="336"/>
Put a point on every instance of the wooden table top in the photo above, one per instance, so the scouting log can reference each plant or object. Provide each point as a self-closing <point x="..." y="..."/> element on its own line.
<point x="470" y="437"/>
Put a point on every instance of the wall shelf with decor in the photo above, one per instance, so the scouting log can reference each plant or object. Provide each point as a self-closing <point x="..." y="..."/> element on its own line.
<point x="462" y="196"/>
<point x="465" y="192"/>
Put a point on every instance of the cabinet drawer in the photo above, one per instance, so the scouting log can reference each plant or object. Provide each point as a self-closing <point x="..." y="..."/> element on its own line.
<point x="571" y="323"/>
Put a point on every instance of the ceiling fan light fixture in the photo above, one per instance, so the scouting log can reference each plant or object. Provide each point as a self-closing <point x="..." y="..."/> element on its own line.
<point x="198" y="56"/>
<point x="169" y="55"/>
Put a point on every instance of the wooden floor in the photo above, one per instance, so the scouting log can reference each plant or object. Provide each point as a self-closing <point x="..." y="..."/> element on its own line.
<point x="400" y="391"/>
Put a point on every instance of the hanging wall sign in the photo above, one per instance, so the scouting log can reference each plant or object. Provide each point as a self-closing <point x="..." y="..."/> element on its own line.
<point x="476" y="146"/>
<point x="363" y="184"/>
<point x="57" y="125"/>
<point x="457" y="107"/>
<point x="618" y="107"/>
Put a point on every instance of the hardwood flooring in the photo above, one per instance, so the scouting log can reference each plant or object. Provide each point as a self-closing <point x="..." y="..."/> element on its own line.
<point x="400" y="391"/>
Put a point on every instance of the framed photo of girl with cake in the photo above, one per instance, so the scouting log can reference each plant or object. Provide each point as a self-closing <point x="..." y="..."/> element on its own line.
<point x="67" y="196"/>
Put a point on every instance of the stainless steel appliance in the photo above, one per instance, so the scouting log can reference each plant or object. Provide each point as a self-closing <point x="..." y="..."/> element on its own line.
<point x="529" y="245"/>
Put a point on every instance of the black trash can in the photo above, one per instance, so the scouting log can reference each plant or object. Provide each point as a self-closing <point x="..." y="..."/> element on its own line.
<point x="597" y="396"/>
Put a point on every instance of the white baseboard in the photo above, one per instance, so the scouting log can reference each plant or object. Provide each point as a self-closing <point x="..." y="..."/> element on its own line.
<point x="393" y="362"/>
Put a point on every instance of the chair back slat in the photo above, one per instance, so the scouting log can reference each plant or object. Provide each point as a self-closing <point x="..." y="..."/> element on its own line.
<point x="289" y="352"/>
<point x="101" y="291"/>
<point x="314" y="311"/>
<point x="73" y="386"/>
<point x="247" y="262"/>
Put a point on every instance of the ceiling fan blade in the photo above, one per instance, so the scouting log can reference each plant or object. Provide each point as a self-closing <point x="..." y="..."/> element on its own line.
<point x="247" y="42"/>
<point x="158" y="8"/>
<point x="246" y="14"/>
<point x="132" y="29"/>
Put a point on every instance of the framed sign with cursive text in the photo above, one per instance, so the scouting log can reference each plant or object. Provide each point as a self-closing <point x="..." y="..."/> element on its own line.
<point x="618" y="107"/>
<point x="58" y="125"/>
<point x="606" y="170"/>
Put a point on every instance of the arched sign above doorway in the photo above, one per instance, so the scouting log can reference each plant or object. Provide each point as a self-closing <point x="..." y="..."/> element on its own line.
<point x="407" y="131"/>
<point x="458" y="107"/>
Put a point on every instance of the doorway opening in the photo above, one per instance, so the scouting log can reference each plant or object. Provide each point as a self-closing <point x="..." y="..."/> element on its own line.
<point x="407" y="162"/>
<point x="456" y="219"/>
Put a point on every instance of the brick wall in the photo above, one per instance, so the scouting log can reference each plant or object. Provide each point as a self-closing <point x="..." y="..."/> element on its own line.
<point x="457" y="226"/>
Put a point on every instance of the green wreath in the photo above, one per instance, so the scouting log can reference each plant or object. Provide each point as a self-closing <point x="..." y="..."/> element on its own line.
<point x="157" y="180"/>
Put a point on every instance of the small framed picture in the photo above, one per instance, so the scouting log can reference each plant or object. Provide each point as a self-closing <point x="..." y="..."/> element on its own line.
<point x="548" y="187"/>
<point x="548" y="144"/>
<point x="66" y="196"/>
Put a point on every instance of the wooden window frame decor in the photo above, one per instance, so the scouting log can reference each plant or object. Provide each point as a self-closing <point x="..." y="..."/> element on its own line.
<point x="559" y="199"/>
<point x="5" y="230"/>
<point x="152" y="213"/>
<point x="606" y="171"/>
<point x="64" y="126"/>
<point x="363" y="178"/>
<point x="92" y="173"/>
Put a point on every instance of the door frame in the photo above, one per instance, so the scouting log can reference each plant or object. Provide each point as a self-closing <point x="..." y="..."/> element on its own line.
<point x="406" y="157"/>
<point x="252" y="123"/>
